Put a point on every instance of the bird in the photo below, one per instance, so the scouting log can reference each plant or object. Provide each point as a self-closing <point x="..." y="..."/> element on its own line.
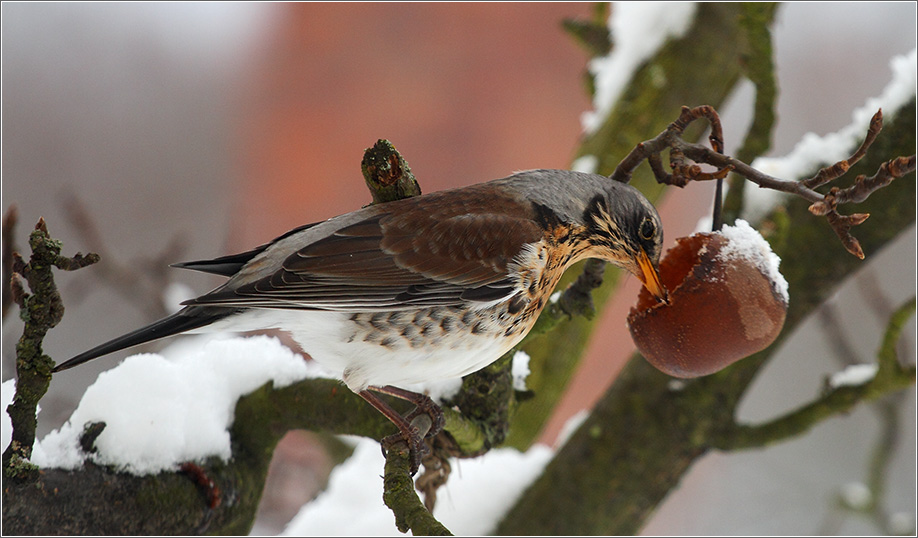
<point x="425" y="288"/>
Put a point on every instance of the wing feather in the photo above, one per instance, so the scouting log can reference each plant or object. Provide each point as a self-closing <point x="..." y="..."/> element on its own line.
<point x="433" y="250"/>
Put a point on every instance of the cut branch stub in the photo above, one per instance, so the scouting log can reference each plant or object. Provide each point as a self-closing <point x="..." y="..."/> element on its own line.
<point x="387" y="173"/>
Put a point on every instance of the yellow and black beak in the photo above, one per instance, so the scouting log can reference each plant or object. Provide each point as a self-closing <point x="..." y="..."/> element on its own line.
<point x="650" y="277"/>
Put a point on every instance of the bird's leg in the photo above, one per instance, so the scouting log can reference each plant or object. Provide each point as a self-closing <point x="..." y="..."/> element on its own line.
<point x="409" y="426"/>
<point x="423" y="404"/>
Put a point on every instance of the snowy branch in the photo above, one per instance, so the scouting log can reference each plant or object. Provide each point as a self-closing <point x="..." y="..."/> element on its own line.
<point x="174" y="501"/>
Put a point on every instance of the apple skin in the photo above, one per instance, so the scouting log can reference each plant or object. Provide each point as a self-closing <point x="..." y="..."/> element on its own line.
<point x="721" y="309"/>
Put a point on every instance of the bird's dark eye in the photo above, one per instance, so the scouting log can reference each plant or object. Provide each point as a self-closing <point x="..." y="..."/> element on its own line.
<point x="648" y="229"/>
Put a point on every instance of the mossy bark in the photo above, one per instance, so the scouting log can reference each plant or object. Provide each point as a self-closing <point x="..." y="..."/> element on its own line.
<point x="104" y="501"/>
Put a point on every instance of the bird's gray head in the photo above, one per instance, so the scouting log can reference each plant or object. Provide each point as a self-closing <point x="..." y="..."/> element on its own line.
<point x="625" y="229"/>
<point x="616" y="222"/>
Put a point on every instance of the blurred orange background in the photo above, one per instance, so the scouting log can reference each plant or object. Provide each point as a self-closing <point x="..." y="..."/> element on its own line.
<point x="467" y="92"/>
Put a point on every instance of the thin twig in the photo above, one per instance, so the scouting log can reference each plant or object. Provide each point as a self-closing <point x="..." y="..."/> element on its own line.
<point x="838" y="169"/>
<point x="822" y="204"/>
<point x="865" y="186"/>
<point x="9" y="247"/>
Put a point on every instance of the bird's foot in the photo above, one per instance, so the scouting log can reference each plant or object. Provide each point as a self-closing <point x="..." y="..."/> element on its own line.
<point x="413" y="438"/>
<point x="424" y="421"/>
<point x="424" y="405"/>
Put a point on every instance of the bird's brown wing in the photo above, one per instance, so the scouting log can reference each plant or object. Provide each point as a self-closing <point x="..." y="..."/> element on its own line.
<point x="439" y="249"/>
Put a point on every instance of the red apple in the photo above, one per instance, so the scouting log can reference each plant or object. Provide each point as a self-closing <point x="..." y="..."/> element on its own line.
<point x="726" y="301"/>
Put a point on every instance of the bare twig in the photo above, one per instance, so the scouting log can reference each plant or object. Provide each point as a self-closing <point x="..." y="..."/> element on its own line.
<point x="842" y="224"/>
<point x="42" y="310"/>
<point x="822" y="204"/>
<point x="838" y="169"/>
<point x="865" y="186"/>
<point x="9" y="248"/>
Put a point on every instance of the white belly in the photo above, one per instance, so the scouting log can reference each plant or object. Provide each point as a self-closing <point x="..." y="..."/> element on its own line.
<point x="375" y="352"/>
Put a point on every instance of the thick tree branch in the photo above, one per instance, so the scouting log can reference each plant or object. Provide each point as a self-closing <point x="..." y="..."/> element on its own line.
<point x="103" y="500"/>
<point x="758" y="66"/>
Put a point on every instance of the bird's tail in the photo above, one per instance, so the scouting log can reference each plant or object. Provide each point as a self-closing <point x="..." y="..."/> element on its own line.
<point x="193" y="317"/>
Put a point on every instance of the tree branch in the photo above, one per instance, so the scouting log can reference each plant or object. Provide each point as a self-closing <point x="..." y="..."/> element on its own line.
<point x="103" y="500"/>
<point x="890" y="377"/>
<point x="400" y="496"/>
<point x="41" y="310"/>
<point x="758" y="66"/>
<point x="644" y="434"/>
<point x="387" y="173"/>
<point x="715" y="36"/>
<point x="671" y="139"/>
<point x="830" y="173"/>
<point x="9" y="248"/>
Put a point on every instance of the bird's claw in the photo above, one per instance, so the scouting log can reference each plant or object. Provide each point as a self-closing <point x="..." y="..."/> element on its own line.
<point x="432" y="410"/>
<point x="417" y="447"/>
<point x="424" y="418"/>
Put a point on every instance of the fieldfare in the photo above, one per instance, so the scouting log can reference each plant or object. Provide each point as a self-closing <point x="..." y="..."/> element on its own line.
<point x="425" y="288"/>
